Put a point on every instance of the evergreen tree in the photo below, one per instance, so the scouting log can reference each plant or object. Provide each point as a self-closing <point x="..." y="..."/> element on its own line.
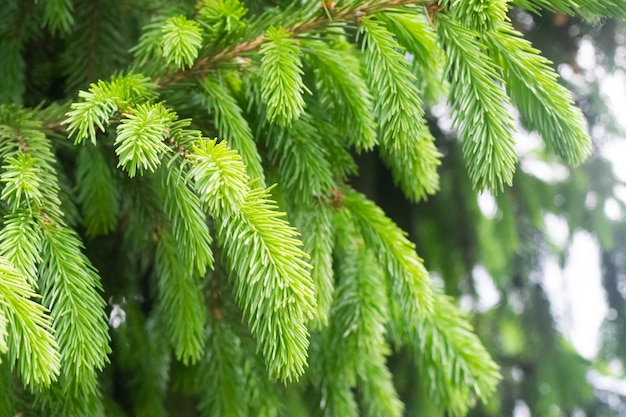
<point x="149" y="269"/>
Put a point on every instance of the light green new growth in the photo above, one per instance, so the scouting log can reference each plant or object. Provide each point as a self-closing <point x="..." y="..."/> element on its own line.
<point x="272" y="281"/>
<point x="212" y="294"/>
<point x="545" y="105"/>
<point x="21" y="177"/>
<point x="481" y="109"/>
<point x="220" y="177"/>
<point x="20" y="243"/>
<point x="478" y="15"/>
<point x="233" y="127"/>
<point x="70" y="289"/>
<point x="30" y="338"/>
<point x="182" y="38"/>
<point x="281" y="77"/>
<point x="101" y="101"/>
<point x="140" y="138"/>
<point x="407" y="148"/>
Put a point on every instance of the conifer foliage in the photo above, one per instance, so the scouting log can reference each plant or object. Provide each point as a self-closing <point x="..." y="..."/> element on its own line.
<point x="182" y="237"/>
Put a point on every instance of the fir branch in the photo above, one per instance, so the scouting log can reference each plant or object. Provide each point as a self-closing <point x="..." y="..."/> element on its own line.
<point x="416" y="34"/>
<point x="479" y="15"/>
<point x="315" y="224"/>
<point x="545" y="105"/>
<point x="342" y="87"/>
<point x="233" y="127"/>
<point x="101" y="101"/>
<point x="180" y="301"/>
<point x="304" y="169"/>
<point x="410" y="284"/>
<point x="96" y="192"/>
<point x="590" y="10"/>
<point x="58" y="15"/>
<point x="22" y="178"/>
<point x="20" y="244"/>
<point x="480" y="108"/>
<point x="140" y="137"/>
<point x="221" y="380"/>
<point x="187" y="220"/>
<point x="358" y="319"/>
<point x="220" y="176"/>
<point x="281" y="77"/>
<point x="272" y="282"/>
<point x="182" y="38"/>
<point x="455" y="365"/>
<point x="31" y="342"/>
<point x="69" y="288"/>
<point x="407" y="146"/>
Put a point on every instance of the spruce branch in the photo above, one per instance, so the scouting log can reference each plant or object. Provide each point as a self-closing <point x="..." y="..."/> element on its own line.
<point x="181" y="303"/>
<point x="545" y="105"/>
<point x="272" y="282"/>
<point x="140" y="137"/>
<point x="220" y="177"/>
<point x="69" y="288"/>
<point x="97" y="192"/>
<point x="455" y="365"/>
<point x="182" y="39"/>
<point x="315" y="223"/>
<point x="347" y="13"/>
<point x="221" y="378"/>
<point x="408" y="147"/>
<point x="590" y="10"/>
<point x="479" y="15"/>
<point x="20" y="244"/>
<point x="187" y="219"/>
<point x="304" y="168"/>
<point x="233" y="127"/>
<point x="30" y="334"/>
<point x="342" y="87"/>
<point x="281" y="77"/>
<point x="480" y="107"/>
<point x="101" y="101"/>
<point x="409" y="281"/>
<point x="58" y="15"/>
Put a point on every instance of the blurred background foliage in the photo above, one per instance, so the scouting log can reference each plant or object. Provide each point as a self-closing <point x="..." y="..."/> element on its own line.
<point x="494" y="254"/>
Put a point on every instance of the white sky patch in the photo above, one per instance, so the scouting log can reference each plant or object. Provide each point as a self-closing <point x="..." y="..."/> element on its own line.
<point x="487" y="204"/>
<point x="578" y="299"/>
<point x="488" y="295"/>
<point x="521" y="409"/>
